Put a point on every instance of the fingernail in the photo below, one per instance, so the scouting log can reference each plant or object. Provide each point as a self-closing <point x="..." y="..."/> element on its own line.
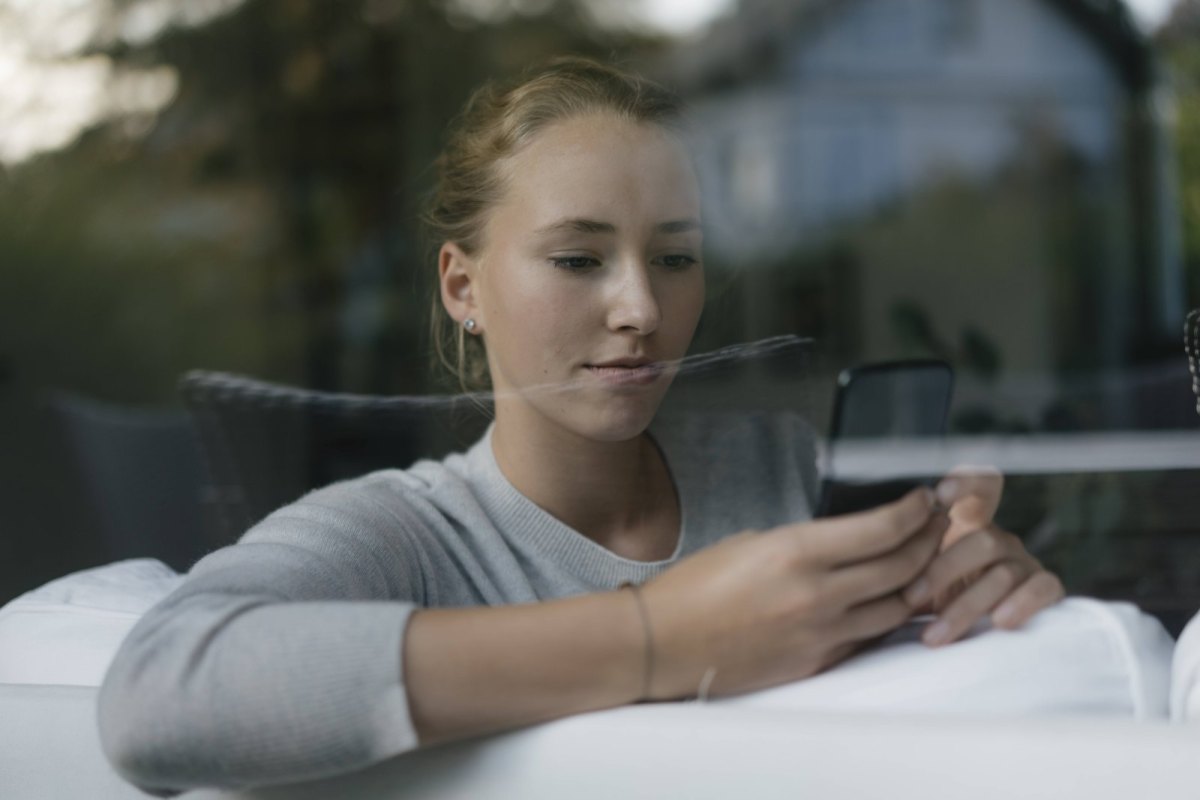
<point x="947" y="491"/>
<point x="1005" y="615"/>
<point x="917" y="593"/>
<point x="936" y="634"/>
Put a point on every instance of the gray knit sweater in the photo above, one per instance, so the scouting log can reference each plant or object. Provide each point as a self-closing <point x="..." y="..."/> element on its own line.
<point x="279" y="658"/>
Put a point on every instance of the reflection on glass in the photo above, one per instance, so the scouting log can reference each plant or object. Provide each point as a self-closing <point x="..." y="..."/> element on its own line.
<point x="1006" y="185"/>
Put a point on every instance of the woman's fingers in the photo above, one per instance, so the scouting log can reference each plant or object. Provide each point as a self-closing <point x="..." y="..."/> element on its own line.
<point x="967" y="480"/>
<point x="985" y="572"/>
<point x="972" y="494"/>
<point x="962" y="560"/>
<point x="805" y="596"/>
<point x="886" y="574"/>
<point x="837" y="655"/>
<point x="977" y="601"/>
<point x="859" y="537"/>
<point x="1041" y="590"/>
<point x="873" y="619"/>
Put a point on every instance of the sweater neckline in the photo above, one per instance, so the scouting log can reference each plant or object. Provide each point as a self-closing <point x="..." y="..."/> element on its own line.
<point x="518" y="517"/>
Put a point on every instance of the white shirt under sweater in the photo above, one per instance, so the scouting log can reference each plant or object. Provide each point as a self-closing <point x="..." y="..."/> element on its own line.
<point x="279" y="659"/>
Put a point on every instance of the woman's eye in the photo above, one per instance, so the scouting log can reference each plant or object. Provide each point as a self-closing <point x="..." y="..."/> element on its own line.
<point x="574" y="262"/>
<point x="677" y="261"/>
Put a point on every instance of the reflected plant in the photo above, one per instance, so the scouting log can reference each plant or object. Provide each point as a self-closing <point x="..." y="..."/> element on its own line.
<point x="974" y="354"/>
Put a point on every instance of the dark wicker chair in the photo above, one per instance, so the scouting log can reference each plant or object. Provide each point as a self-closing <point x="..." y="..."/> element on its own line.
<point x="266" y="444"/>
<point x="141" y="469"/>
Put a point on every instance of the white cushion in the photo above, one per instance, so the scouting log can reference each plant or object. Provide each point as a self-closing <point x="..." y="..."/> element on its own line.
<point x="1185" y="674"/>
<point x="912" y="710"/>
<point x="1080" y="656"/>
<point x="67" y="631"/>
<point x="49" y="748"/>
<point x="706" y="752"/>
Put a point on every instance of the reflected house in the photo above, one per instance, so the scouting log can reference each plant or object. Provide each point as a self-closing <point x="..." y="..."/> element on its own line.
<point x="840" y="120"/>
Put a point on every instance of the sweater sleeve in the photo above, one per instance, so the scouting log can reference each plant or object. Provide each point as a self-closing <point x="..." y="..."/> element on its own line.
<point x="278" y="659"/>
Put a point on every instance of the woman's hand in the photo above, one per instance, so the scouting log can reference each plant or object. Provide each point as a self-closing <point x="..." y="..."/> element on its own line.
<point x="981" y="570"/>
<point x="766" y="608"/>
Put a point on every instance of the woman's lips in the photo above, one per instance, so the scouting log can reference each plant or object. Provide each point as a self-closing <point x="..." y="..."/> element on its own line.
<point x="641" y="375"/>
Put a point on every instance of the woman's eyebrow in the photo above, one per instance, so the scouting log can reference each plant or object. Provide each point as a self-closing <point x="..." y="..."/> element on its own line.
<point x="679" y="226"/>
<point x="580" y="225"/>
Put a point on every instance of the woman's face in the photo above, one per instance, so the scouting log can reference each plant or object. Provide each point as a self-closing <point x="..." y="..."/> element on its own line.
<point x="589" y="281"/>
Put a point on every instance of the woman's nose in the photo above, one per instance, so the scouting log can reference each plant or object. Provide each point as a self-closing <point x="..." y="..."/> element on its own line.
<point x="633" y="305"/>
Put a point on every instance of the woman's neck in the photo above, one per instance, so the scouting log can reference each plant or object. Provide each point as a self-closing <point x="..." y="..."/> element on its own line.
<point x="618" y="494"/>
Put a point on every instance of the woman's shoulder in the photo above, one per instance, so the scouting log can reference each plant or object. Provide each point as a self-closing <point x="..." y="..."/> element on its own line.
<point x="425" y="483"/>
<point x="414" y="499"/>
<point x="392" y="526"/>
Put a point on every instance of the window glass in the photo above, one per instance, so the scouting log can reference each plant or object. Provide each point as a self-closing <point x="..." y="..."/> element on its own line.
<point x="1011" y="186"/>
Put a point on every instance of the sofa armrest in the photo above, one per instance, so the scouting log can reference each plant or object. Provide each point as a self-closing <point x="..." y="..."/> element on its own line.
<point x="718" y="752"/>
<point x="49" y="746"/>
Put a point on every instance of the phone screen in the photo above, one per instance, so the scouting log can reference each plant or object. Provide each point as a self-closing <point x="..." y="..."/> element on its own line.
<point x="886" y="400"/>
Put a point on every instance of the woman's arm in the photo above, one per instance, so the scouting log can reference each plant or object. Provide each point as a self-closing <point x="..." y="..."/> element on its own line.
<point x="477" y="670"/>
<point x="277" y="659"/>
<point x="754" y="610"/>
<point x="280" y="661"/>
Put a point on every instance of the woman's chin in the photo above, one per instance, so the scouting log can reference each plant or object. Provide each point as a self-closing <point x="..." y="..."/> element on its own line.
<point x="599" y="416"/>
<point x="618" y="422"/>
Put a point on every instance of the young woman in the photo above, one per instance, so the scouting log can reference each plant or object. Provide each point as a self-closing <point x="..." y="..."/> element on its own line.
<point x="583" y="554"/>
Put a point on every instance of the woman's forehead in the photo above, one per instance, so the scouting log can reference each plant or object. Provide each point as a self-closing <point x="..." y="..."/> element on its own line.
<point x="598" y="167"/>
<point x="599" y="134"/>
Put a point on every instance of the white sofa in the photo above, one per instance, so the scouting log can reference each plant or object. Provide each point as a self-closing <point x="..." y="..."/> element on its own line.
<point x="1084" y="702"/>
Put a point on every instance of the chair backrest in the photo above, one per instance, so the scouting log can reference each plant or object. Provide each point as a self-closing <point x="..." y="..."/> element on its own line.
<point x="1191" y="342"/>
<point x="141" y="470"/>
<point x="266" y="444"/>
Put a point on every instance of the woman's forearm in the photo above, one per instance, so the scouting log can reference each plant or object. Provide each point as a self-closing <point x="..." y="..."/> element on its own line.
<point x="473" y="671"/>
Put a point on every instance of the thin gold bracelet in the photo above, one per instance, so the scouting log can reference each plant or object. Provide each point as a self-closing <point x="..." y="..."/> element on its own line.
<point x="648" y="633"/>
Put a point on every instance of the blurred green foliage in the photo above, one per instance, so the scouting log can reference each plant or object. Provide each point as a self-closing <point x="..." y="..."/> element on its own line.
<point x="1179" y="44"/>
<point x="265" y="222"/>
<point x="96" y="298"/>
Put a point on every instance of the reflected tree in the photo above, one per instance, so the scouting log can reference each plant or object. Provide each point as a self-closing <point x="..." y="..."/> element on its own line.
<point x="1179" y="41"/>
<point x="276" y="194"/>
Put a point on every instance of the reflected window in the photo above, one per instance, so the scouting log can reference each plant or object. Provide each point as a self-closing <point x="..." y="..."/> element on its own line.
<point x="754" y="178"/>
<point x="955" y="23"/>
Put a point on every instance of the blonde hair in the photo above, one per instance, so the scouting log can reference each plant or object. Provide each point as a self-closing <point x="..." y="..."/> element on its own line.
<point x="497" y="120"/>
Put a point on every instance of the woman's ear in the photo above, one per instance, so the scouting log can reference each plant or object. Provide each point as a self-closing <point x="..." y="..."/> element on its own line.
<point x="457" y="273"/>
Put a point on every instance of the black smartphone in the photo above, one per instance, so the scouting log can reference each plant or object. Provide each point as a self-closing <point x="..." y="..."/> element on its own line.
<point x="880" y="401"/>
